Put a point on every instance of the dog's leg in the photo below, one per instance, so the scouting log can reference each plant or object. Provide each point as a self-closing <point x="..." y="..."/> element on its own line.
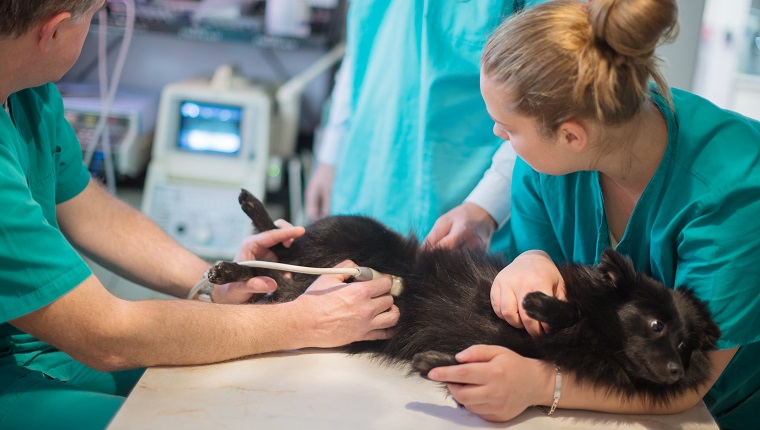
<point x="256" y="211"/>
<point x="260" y="218"/>
<point x="424" y="362"/>
<point x="226" y="271"/>
<point x="550" y="310"/>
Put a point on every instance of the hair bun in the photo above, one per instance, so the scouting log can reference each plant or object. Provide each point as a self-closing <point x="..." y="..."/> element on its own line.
<point x="633" y="28"/>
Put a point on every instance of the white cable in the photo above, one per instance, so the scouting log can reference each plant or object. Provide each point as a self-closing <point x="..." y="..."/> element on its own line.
<point x="108" y="92"/>
<point x="102" y="80"/>
<point x="102" y="136"/>
<point x="354" y="271"/>
<point x="359" y="274"/>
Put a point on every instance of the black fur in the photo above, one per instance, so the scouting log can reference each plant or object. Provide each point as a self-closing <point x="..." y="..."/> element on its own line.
<point x="619" y="329"/>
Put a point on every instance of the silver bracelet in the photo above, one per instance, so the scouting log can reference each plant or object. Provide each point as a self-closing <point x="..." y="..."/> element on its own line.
<point x="557" y="389"/>
<point x="557" y="392"/>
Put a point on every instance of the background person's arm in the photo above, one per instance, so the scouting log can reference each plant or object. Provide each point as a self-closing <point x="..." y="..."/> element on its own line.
<point x="484" y="211"/>
<point x="327" y="151"/>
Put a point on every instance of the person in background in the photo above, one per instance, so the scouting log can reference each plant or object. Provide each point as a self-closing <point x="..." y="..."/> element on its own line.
<point x="68" y="348"/>
<point x="606" y="159"/>
<point x="408" y="137"/>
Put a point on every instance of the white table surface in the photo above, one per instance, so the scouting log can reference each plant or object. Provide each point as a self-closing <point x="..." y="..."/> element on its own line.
<point x="327" y="389"/>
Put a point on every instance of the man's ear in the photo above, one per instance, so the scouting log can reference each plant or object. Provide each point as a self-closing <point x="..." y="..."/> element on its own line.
<point x="573" y="135"/>
<point x="50" y="29"/>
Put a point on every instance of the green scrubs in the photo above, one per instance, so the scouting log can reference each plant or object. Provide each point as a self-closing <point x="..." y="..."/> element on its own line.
<point x="696" y="224"/>
<point x="419" y="137"/>
<point x="41" y="166"/>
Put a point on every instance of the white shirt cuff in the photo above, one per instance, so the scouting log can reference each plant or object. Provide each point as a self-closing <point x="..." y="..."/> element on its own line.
<point x="493" y="192"/>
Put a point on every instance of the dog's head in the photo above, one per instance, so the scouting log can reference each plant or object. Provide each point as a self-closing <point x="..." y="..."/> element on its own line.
<point x="662" y="329"/>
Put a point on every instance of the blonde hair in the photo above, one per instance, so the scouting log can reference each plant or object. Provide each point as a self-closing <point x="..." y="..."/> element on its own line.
<point x="568" y="59"/>
<point x="19" y="16"/>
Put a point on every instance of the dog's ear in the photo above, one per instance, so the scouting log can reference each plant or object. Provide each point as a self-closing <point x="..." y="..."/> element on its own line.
<point x="697" y="317"/>
<point x="616" y="268"/>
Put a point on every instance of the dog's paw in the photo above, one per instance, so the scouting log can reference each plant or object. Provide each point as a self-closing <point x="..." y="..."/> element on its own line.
<point x="537" y="304"/>
<point x="558" y="314"/>
<point x="225" y="272"/>
<point x="424" y="362"/>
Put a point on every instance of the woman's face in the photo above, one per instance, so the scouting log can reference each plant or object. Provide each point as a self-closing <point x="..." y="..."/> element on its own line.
<point x="542" y="153"/>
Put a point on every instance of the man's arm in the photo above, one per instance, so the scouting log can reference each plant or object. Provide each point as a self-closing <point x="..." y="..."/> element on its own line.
<point x="107" y="333"/>
<point x="127" y="242"/>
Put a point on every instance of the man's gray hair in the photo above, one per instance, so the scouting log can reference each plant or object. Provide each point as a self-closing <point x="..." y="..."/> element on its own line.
<point x="19" y="16"/>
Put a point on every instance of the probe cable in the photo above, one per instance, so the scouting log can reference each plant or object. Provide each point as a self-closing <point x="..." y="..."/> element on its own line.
<point x="359" y="273"/>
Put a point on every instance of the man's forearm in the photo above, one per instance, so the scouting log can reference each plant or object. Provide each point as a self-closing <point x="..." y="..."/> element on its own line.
<point x="186" y="332"/>
<point x="127" y="242"/>
<point x="109" y="334"/>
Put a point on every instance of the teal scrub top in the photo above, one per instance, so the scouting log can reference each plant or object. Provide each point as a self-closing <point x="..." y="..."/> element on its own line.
<point x="40" y="166"/>
<point x="696" y="224"/>
<point x="419" y="138"/>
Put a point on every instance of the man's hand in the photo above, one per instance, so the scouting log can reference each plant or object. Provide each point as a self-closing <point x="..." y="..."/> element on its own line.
<point x="337" y="313"/>
<point x="256" y="247"/>
<point x="467" y="225"/>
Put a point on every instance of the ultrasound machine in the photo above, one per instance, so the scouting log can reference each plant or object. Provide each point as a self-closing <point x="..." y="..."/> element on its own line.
<point x="212" y="138"/>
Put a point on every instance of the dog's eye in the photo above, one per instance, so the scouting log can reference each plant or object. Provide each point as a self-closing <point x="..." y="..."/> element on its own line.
<point x="656" y="326"/>
<point x="681" y="346"/>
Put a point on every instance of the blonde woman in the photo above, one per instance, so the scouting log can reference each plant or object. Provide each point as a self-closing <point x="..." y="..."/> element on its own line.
<point x="609" y="159"/>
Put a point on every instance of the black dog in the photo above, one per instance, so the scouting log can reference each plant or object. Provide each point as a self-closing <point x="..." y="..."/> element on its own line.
<point x="619" y="329"/>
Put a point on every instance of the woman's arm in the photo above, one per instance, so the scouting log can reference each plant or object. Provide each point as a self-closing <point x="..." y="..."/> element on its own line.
<point x="499" y="384"/>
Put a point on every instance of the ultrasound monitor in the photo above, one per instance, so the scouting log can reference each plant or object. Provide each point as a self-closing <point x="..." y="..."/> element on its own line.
<point x="211" y="140"/>
<point x="210" y="128"/>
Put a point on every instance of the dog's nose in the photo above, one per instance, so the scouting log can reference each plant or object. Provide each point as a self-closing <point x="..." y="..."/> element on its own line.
<point x="675" y="371"/>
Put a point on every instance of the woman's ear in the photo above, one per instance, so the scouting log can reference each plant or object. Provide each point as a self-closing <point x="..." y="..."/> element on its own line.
<point x="573" y="136"/>
<point x="49" y="30"/>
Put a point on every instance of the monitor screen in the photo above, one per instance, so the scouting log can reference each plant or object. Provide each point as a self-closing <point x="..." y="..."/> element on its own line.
<point x="209" y="128"/>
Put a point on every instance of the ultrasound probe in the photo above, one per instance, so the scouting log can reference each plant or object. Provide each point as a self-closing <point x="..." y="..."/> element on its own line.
<point x="358" y="273"/>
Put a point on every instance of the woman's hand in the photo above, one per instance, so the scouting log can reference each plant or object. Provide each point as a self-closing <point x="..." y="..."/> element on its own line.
<point x="496" y="383"/>
<point x="256" y="247"/>
<point x="530" y="271"/>
<point x="467" y="225"/>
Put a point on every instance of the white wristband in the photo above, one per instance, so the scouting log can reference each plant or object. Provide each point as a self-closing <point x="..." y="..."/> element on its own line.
<point x="202" y="289"/>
